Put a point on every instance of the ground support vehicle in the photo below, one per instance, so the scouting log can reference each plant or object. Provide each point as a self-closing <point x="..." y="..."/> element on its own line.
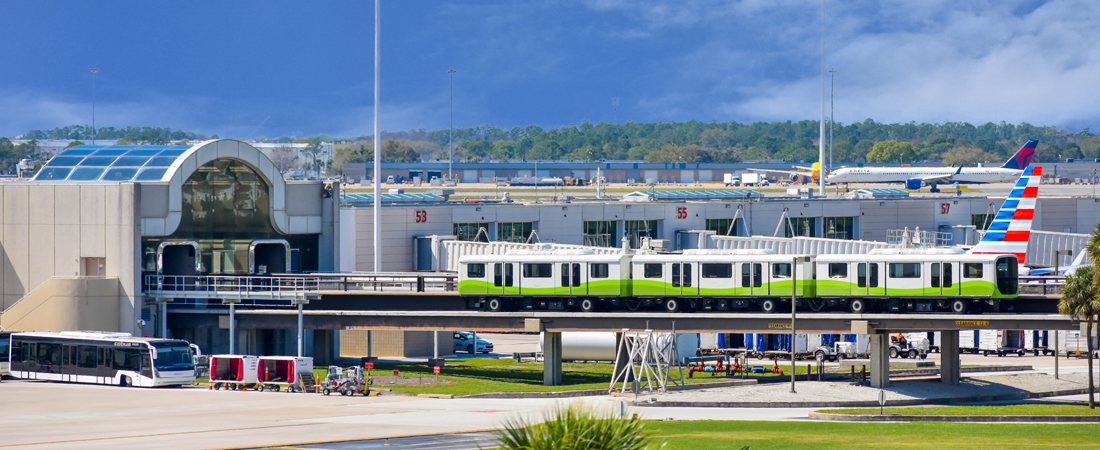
<point x="234" y="372"/>
<point x="933" y="338"/>
<point x="276" y="373"/>
<point x="905" y="348"/>
<point x="1037" y="342"/>
<point x="839" y="351"/>
<point x="350" y="381"/>
<point x="101" y="358"/>
<point x="1074" y="344"/>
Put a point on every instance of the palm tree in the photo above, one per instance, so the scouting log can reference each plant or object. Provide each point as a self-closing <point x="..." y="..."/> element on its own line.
<point x="1079" y="302"/>
<point x="1092" y="247"/>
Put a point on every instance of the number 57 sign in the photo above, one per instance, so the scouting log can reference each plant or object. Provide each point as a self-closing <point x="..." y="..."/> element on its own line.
<point x="945" y="208"/>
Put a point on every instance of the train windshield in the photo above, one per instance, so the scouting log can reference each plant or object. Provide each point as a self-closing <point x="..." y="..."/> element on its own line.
<point x="173" y="355"/>
<point x="1007" y="282"/>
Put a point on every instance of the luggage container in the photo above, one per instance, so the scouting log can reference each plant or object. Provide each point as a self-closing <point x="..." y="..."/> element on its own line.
<point x="282" y="372"/>
<point x="968" y="341"/>
<point x="1037" y="342"/>
<point x="932" y="336"/>
<point x="233" y="371"/>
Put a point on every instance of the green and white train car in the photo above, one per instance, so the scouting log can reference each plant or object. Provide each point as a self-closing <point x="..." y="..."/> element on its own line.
<point x="716" y="280"/>
<point x="559" y="280"/>
<point x="921" y="282"/>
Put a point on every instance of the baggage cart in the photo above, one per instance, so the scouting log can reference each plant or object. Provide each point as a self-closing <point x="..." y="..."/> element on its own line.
<point x="233" y="372"/>
<point x="276" y="373"/>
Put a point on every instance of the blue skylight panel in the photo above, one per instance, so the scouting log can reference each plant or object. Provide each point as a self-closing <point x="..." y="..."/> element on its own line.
<point x="130" y="161"/>
<point x="150" y="174"/>
<point x="98" y="161"/>
<point x="53" y="173"/>
<point x="120" y="174"/>
<point x="77" y="152"/>
<point x="110" y="151"/>
<point x="161" y="161"/>
<point x="143" y="152"/>
<point x="58" y="161"/>
<point x="175" y="151"/>
<point x="86" y="174"/>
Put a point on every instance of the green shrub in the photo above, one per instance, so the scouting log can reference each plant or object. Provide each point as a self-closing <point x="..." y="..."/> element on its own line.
<point x="573" y="427"/>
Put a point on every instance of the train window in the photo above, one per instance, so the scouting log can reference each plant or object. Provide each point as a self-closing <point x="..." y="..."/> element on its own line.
<point x="935" y="274"/>
<point x="973" y="270"/>
<point x="652" y="270"/>
<point x="904" y="270"/>
<point x="576" y="275"/>
<point x="498" y="275"/>
<point x="946" y="275"/>
<point x="757" y="275"/>
<point x="598" y="270"/>
<point x="538" y="270"/>
<point x="872" y="280"/>
<point x="861" y="275"/>
<point x="675" y="275"/>
<point x="687" y="275"/>
<point x="565" y="274"/>
<point x="718" y="270"/>
<point x="1007" y="276"/>
<point x="475" y="270"/>
<point x="781" y="270"/>
<point x="838" y="270"/>
<point x="508" y="277"/>
<point x="746" y="274"/>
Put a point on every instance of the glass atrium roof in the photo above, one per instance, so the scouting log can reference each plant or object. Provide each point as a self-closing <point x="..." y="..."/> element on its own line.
<point x="111" y="163"/>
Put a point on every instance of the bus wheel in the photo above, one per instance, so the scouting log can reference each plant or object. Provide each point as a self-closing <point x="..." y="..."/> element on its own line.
<point x="587" y="305"/>
<point x="672" y="305"/>
<point x="858" y="306"/>
<point x="958" y="306"/>
<point x="768" y="306"/>
<point x="124" y="381"/>
<point x="494" y="305"/>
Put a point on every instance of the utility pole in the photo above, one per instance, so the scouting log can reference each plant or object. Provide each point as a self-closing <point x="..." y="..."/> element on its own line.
<point x="451" y="138"/>
<point x="93" y="71"/>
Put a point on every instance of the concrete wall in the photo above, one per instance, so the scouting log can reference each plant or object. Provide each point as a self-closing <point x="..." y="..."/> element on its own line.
<point x="394" y="343"/>
<point x="49" y="228"/>
<point x="65" y="304"/>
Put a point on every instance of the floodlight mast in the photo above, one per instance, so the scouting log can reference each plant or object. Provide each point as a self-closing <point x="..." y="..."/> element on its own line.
<point x="377" y="136"/>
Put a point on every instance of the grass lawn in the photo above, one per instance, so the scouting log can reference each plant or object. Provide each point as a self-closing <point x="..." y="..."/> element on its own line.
<point x="996" y="410"/>
<point x="720" y="435"/>
<point x="479" y="375"/>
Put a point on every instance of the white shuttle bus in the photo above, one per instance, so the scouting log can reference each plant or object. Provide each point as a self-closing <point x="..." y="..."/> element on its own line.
<point x="5" y="354"/>
<point x="102" y="358"/>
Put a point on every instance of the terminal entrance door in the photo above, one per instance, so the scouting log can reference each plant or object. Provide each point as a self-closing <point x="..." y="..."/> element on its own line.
<point x="178" y="258"/>
<point x="269" y="256"/>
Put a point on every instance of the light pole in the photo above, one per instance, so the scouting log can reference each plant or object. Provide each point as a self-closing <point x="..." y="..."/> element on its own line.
<point x="451" y="136"/>
<point x="832" y="86"/>
<point x="377" y="137"/>
<point x="794" y="292"/>
<point x="93" y="71"/>
<point x="821" y="138"/>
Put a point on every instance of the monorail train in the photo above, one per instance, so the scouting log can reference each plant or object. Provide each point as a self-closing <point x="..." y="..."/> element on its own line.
<point x="726" y="280"/>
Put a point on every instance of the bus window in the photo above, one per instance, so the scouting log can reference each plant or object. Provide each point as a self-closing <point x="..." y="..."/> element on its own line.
<point x="5" y="346"/>
<point x="86" y="357"/>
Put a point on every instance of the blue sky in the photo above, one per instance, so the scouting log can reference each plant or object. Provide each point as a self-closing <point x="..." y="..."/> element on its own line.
<point x="273" y="68"/>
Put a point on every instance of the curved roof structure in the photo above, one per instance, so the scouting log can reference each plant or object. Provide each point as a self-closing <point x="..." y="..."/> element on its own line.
<point x="117" y="163"/>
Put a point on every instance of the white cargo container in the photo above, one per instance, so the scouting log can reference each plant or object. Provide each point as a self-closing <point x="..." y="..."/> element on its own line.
<point x="968" y="341"/>
<point x="1037" y="342"/>
<point x="1073" y="344"/>
<point x="753" y="179"/>
<point x="731" y="179"/>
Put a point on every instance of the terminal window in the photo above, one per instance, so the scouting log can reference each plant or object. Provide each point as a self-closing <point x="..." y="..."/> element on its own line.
<point x="470" y="232"/>
<point x="840" y="228"/>
<point x="599" y="233"/>
<point x="803" y="226"/>
<point x="981" y="221"/>
<point x="514" y="231"/>
<point x="638" y="229"/>
<point x="721" y="227"/>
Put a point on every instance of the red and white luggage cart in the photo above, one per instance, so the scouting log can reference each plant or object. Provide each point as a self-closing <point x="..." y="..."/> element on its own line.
<point x="282" y="372"/>
<point x="233" y="371"/>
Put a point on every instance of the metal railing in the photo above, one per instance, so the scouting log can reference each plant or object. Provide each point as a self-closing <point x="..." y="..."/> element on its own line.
<point x="1040" y="284"/>
<point x="283" y="286"/>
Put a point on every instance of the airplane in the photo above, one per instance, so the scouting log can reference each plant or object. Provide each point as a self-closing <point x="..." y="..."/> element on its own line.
<point x="917" y="177"/>
<point x="1010" y="230"/>
<point x="812" y="171"/>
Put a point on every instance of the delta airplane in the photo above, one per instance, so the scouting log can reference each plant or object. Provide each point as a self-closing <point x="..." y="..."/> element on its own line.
<point x="916" y="177"/>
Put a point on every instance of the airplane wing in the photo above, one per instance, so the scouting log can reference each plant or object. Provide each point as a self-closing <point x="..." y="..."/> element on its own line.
<point x="788" y="172"/>
<point x="941" y="178"/>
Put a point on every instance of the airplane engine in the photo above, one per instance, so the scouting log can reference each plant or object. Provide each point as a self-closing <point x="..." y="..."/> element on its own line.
<point x="794" y="178"/>
<point x="913" y="183"/>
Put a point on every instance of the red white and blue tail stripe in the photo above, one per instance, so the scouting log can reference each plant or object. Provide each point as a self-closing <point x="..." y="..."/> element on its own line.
<point x="1011" y="228"/>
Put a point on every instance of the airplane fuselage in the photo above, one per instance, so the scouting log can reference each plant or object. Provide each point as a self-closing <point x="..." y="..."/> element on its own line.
<point x="900" y="174"/>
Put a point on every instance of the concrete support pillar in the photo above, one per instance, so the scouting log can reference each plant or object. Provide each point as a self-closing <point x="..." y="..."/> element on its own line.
<point x="232" y="328"/>
<point x="880" y="360"/>
<point x="551" y="359"/>
<point x="163" y="315"/>
<point x="949" y="357"/>
<point x="301" y="337"/>
<point x="623" y="362"/>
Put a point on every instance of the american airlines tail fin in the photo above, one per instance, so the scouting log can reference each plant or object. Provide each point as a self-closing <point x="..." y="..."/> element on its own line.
<point x="1011" y="228"/>
<point x="1022" y="158"/>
